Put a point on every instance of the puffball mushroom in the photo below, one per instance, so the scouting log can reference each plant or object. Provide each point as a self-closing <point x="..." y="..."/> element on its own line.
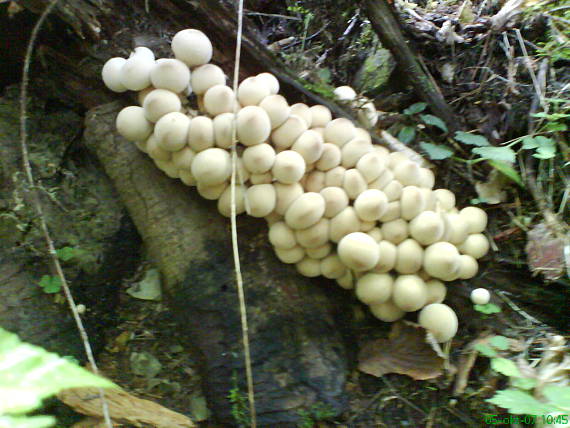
<point x="135" y="72"/>
<point x="358" y="251"/>
<point x="445" y="199"/>
<point x="289" y="167"/>
<point x="480" y="296"/>
<point x="412" y="202"/>
<point x="319" y="252"/>
<point x="371" y="204"/>
<point x="374" y="288"/>
<point x="309" y="267"/>
<point x="286" y="134"/>
<point x="457" y="228"/>
<point x="132" y="124"/>
<point x="261" y="199"/>
<point x="332" y="267"/>
<point x="441" y="260"/>
<point x="409" y="293"/>
<point x="315" y="181"/>
<point x="212" y="166"/>
<point x="309" y="145"/>
<point x="201" y="135"/>
<point x="213" y="192"/>
<point x="286" y="195"/>
<point x="407" y="173"/>
<point x="281" y="235"/>
<point x="111" y="74"/>
<point x="436" y="291"/>
<point x="440" y="320"/>
<point x="182" y="159"/>
<point x="320" y="116"/>
<point x="395" y="231"/>
<point x="290" y="256"/>
<point x="353" y="151"/>
<point x="192" y="47"/>
<point x="277" y="109"/>
<point x="154" y="151"/>
<point x="387" y="260"/>
<point x="253" y="125"/>
<point x="335" y="200"/>
<point x="367" y="114"/>
<point x="371" y="166"/>
<point x="219" y="99"/>
<point x="409" y="257"/>
<point x="343" y="223"/>
<point x="303" y="111"/>
<point x="223" y="125"/>
<point x="252" y="91"/>
<point x="427" y="227"/>
<point x="475" y="245"/>
<point x="334" y="177"/>
<point x="159" y="102"/>
<point x="170" y="74"/>
<point x="468" y="267"/>
<point x="224" y="203"/>
<point x="387" y="311"/>
<point x="270" y="81"/>
<point x="344" y="93"/>
<point x="339" y="131"/>
<point x="171" y="131"/>
<point x="305" y="211"/>
<point x="259" y="159"/>
<point x="315" y="235"/>
<point x="392" y="213"/>
<point x="206" y="76"/>
<point x="475" y="218"/>
<point x="353" y="183"/>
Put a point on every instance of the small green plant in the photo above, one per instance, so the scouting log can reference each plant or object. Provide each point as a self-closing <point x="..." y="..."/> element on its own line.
<point x="239" y="402"/>
<point x="28" y="375"/>
<point x="521" y="397"/>
<point x="317" y="412"/>
<point x="413" y="115"/>
<point x="487" y="309"/>
<point x="50" y="284"/>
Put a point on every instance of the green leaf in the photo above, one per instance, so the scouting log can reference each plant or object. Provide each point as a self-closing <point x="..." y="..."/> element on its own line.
<point x="407" y="134"/>
<point x="430" y="119"/>
<point x="499" y="342"/>
<point x="525" y="383"/>
<point x="500" y="154"/>
<point x="505" y="367"/>
<point x="415" y="108"/>
<point x="558" y="396"/>
<point x="436" y="151"/>
<point x="27" y="421"/>
<point x="555" y="127"/>
<point x="471" y="139"/>
<point x="508" y="171"/>
<point x="28" y="374"/>
<point x="529" y="143"/>
<point x="65" y="253"/>
<point x="485" y="350"/>
<point x="50" y="284"/>
<point x="489" y="308"/>
<point x="546" y="148"/>
<point x="519" y="402"/>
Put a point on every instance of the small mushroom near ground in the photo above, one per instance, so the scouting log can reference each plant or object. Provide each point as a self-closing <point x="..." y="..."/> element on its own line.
<point x="387" y="311"/>
<point x="475" y="218"/>
<point x="442" y="261"/>
<point x="289" y="167"/>
<point x="374" y="288"/>
<point x="407" y="173"/>
<point x="371" y="204"/>
<point x="319" y="252"/>
<point x="224" y="203"/>
<point x="412" y="202"/>
<point x="159" y="102"/>
<point x="335" y="200"/>
<point x="154" y="150"/>
<point x="183" y="158"/>
<point x="219" y="99"/>
<point x="212" y="166"/>
<point x="303" y="111"/>
<point x="135" y="72"/>
<point x="387" y="260"/>
<point x="358" y="251"/>
<point x="393" y="191"/>
<point x="211" y="193"/>
<point x="345" y="222"/>
<point x="252" y="91"/>
<point x="286" y="195"/>
<point x="290" y="256"/>
<point x="468" y="267"/>
<point x="309" y="267"/>
<point x="286" y="134"/>
<point x="206" y="76"/>
<point x="344" y="93"/>
<point x="339" y="132"/>
<point x="277" y="109"/>
<point x="315" y="235"/>
<point x="409" y="293"/>
<point x="132" y="124"/>
<point x="187" y="178"/>
<point x="347" y="280"/>
<point x="476" y="245"/>
<point x="436" y="291"/>
<point x="305" y="211"/>
<point x="395" y="231"/>
<point x="457" y="228"/>
<point x="330" y="157"/>
<point x="445" y="199"/>
<point x="259" y="159"/>
<point x="409" y="257"/>
<point x="440" y="320"/>
<point x="201" y="135"/>
<point x="171" y="131"/>
<point x="253" y="125"/>
<point x="192" y="47"/>
<point x="427" y="227"/>
<point x="309" y="145"/>
<point x="168" y="168"/>
<point x="270" y="81"/>
<point x="480" y="296"/>
<point x="261" y="200"/>
<point x="332" y="267"/>
<point x="384" y="178"/>
<point x="111" y="74"/>
<point x="353" y="151"/>
<point x="321" y="115"/>
<point x="282" y="236"/>
<point x="170" y="74"/>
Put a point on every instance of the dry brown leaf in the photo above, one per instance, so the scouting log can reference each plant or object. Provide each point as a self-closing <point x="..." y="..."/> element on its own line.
<point x="545" y="252"/>
<point x="406" y="352"/>
<point x="124" y="408"/>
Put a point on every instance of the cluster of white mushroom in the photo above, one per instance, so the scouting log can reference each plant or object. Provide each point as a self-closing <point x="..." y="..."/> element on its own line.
<point x="337" y="205"/>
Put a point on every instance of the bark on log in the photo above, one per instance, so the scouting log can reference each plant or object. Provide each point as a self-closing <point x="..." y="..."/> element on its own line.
<point x="298" y="353"/>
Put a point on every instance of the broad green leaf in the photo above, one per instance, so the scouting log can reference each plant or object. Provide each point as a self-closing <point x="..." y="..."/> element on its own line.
<point x="505" y="367"/>
<point x="552" y="116"/>
<point x="525" y="383"/>
<point x="471" y="139"/>
<point x="407" y="134"/>
<point x="529" y="143"/>
<point x="489" y="308"/>
<point x="65" y="253"/>
<point x="559" y="396"/>
<point x="519" y="402"/>
<point x="26" y="421"/>
<point x="485" y="350"/>
<point x="500" y="154"/>
<point x="415" y="108"/>
<point x="499" y="342"/>
<point x="545" y="153"/>
<point x="507" y="170"/>
<point x="436" y="151"/>
<point x="29" y="374"/>
<point x="430" y="119"/>
<point x="50" y="284"/>
<point x="555" y="127"/>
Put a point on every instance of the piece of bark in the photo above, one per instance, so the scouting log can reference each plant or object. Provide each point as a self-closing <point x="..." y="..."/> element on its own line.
<point x="297" y="351"/>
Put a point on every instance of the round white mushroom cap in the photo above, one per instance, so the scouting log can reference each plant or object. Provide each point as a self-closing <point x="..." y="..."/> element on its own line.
<point x="304" y="112"/>
<point x="409" y="257"/>
<point x="253" y="125"/>
<point x="170" y="74"/>
<point x="321" y="115"/>
<point x="436" y="291"/>
<point x="282" y="236"/>
<point x="277" y="109"/>
<point x="344" y="93"/>
<point x="442" y="261"/>
<point x="192" y="47"/>
<point x="212" y="166"/>
<point x="374" y="288"/>
<point x="309" y="145"/>
<point x="353" y="151"/>
<point x="335" y="200"/>
<point x="252" y="91"/>
<point x="410" y="293"/>
<point x="387" y="311"/>
<point x="440" y="320"/>
<point x="201" y="135"/>
<point x="135" y="72"/>
<point x="206" y="76"/>
<point x="371" y="204"/>
<point x="475" y="218"/>
<point x="259" y="159"/>
<point x="224" y="203"/>
<point x="171" y="131"/>
<point x="132" y="124"/>
<point x="480" y="296"/>
<point x="286" y="134"/>
<point x="111" y="74"/>
<point x="159" y="102"/>
<point x="343" y="223"/>
<point x="358" y="251"/>
<point x="261" y="200"/>
<point x="427" y="227"/>
<point x="289" y="167"/>
<point x="270" y="81"/>
<point x="305" y="211"/>
<point x="339" y="131"/>
<point x="332" y="267"/>
<point x="219" y="99"/>
<point x="286" y="195"/>
<point x="475" y="245"/>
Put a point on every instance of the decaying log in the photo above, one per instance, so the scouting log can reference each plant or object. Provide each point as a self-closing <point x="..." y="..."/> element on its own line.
<point x="298" y="353"/>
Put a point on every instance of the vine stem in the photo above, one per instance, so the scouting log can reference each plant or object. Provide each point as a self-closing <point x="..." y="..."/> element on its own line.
<point x="235" y="246"/>
<point x="37" y="205"/>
